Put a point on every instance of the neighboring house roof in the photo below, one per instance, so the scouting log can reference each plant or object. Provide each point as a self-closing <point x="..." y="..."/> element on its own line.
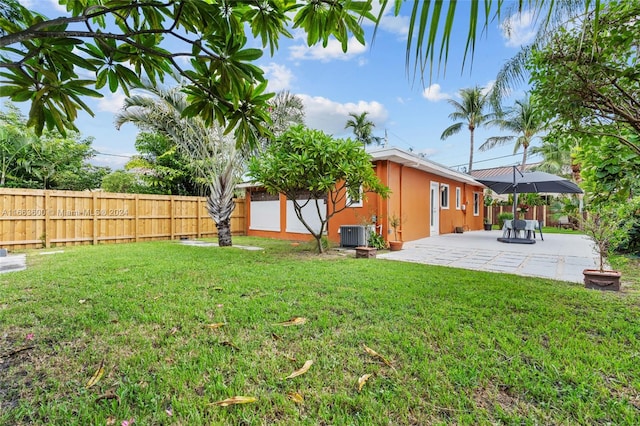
<point x="411" y="160"/>
<point x="496" y="171"/>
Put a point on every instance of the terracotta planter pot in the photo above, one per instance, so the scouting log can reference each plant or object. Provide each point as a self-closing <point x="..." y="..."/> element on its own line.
<point x="395" y="245"/>
<point x="605" y="280"/>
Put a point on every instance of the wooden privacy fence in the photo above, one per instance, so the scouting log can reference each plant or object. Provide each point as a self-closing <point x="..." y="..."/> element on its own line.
<point x="42" y="218"/>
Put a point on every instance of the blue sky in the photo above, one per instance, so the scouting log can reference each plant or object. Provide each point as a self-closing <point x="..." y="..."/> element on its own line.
<point x="369" y="78"/>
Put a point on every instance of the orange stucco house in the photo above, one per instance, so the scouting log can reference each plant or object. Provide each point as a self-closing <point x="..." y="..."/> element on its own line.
<point x="429" y="198"/>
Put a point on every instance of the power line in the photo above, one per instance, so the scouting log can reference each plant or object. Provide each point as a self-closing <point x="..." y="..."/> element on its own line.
<point x="113" y="155"/>
<point x="489" y="159"/>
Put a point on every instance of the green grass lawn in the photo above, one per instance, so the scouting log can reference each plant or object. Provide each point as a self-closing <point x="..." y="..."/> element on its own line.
<point x="463" y="347"/>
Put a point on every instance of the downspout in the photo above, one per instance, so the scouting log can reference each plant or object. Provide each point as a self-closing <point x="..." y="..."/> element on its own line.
<point x="400" y="190"/>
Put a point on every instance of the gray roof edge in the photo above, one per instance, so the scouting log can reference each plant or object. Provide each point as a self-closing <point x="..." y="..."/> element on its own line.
<point x="432" y="166"/>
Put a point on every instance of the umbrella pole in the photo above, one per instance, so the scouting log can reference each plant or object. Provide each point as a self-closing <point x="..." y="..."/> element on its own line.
<point x="515" y="194"/>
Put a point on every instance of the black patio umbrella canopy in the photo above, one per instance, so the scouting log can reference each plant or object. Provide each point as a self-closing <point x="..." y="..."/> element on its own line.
<point x="530" y="182"/>
<point x="536" y="182"/>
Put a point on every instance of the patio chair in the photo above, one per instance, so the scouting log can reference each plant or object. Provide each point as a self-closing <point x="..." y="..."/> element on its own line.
<point x="540" y="225"/>
<point x="564" y="222"/>
<point x="519" y="226"/>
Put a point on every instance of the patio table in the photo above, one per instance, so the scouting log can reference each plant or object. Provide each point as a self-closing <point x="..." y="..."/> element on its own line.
<point x="531" y="227"/>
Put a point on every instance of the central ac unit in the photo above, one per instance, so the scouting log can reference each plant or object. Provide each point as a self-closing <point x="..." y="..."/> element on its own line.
<point x="353" y="236"/>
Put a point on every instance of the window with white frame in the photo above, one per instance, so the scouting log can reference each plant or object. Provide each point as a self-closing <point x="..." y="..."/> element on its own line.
<point x="355" y="203"/>
<point x="458" y="198"/>
<point x="444" y="196"/>
<point x="476" y="203"/>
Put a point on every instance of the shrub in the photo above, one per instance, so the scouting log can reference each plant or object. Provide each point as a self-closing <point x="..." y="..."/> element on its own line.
<point x="376" y="241"/>
<point x="502" y="217"/>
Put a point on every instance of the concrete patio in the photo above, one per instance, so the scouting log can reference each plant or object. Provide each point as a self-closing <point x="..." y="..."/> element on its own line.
<point x="559" y="256"/>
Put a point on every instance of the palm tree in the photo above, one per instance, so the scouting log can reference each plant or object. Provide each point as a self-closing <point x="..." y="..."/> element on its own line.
<point x="525" y="121"/>
<point x="286" y="110"/>
<point x="213" y="155"/>
<point x="472" y="111"/>
<point x="556" y="155"/>
<point x="362" y="128"/>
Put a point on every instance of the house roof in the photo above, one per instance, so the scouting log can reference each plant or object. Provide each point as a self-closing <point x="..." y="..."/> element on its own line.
<point x="411" y="160"/>
<point x="497" y="171"/>
<point x="407" y="159"/>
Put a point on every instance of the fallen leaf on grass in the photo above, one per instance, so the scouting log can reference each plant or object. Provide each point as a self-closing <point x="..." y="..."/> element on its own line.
<point x="235" y="400"/>
<point x="96" y="376"/>
<point x="215" y="325"/>
<point x="229" y="344"/>
<point x="362" y="380"/>
<point x="111" y="421"/>
<point x="293" y="321"/>
<point x="377" y="355"/>
<point x="296" y="397"/>
<point x="110" y="394"/>
<point x="301" y="371"/>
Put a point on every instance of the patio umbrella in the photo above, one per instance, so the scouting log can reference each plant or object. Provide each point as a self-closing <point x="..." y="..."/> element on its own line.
<point x="519" y="183"/>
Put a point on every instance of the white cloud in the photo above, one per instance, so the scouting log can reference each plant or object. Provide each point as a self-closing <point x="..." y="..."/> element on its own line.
<point x="330" y="116"/>
<point x="519" y="29"/>
<point x="31" y="4"/>
<point x="433" y="93"/>
<point x="279" y="76"/>
<point x="112" y="102"/>
<point x="333" y="51"/>
<point x="395" y="24"/>
<point x="488" y="87"/>
<point x="398" y="25"/>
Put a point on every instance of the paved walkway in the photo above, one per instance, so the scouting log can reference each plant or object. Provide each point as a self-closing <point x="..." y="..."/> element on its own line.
<point x="559" y="256"/>
<point x="13" y="262"/>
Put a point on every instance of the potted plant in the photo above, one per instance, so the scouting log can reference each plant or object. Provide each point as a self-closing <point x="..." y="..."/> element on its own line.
<point x="487" y="224"/>
<point x="605" y="228"/>
<point x="395" y="222"/>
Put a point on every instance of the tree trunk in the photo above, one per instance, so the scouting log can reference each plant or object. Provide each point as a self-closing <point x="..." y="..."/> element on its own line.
<point x="470" y="152"/>
<point x="319" y="242"/>
<point x="224" y="233"/>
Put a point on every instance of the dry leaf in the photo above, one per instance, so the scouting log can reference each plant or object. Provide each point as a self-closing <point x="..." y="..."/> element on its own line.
<point x="173" y="331"/>
<point x="377" y="355"/>
<point x="216" y="325"/>
<point x="96" y="376"/>
<point x="362" y="380"/>
<point x="229" y="344"/>
<point x="296" y="397"/>
<point x="303" y="370"/>
<point x="235" y="400"/>
<point x="110" y="394"/>
<point x="293" y="321"/>
<point x="111" y="421"/>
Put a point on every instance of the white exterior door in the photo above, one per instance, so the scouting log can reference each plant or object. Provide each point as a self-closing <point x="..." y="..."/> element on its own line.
<point x="434" y="202"/>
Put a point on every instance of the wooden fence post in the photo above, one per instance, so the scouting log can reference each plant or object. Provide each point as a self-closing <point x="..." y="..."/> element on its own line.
<point x="47" y="223"/>
<point x="94" y="211"/>
<point x="136" y="217"/>
<point x="172" y="217"/>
